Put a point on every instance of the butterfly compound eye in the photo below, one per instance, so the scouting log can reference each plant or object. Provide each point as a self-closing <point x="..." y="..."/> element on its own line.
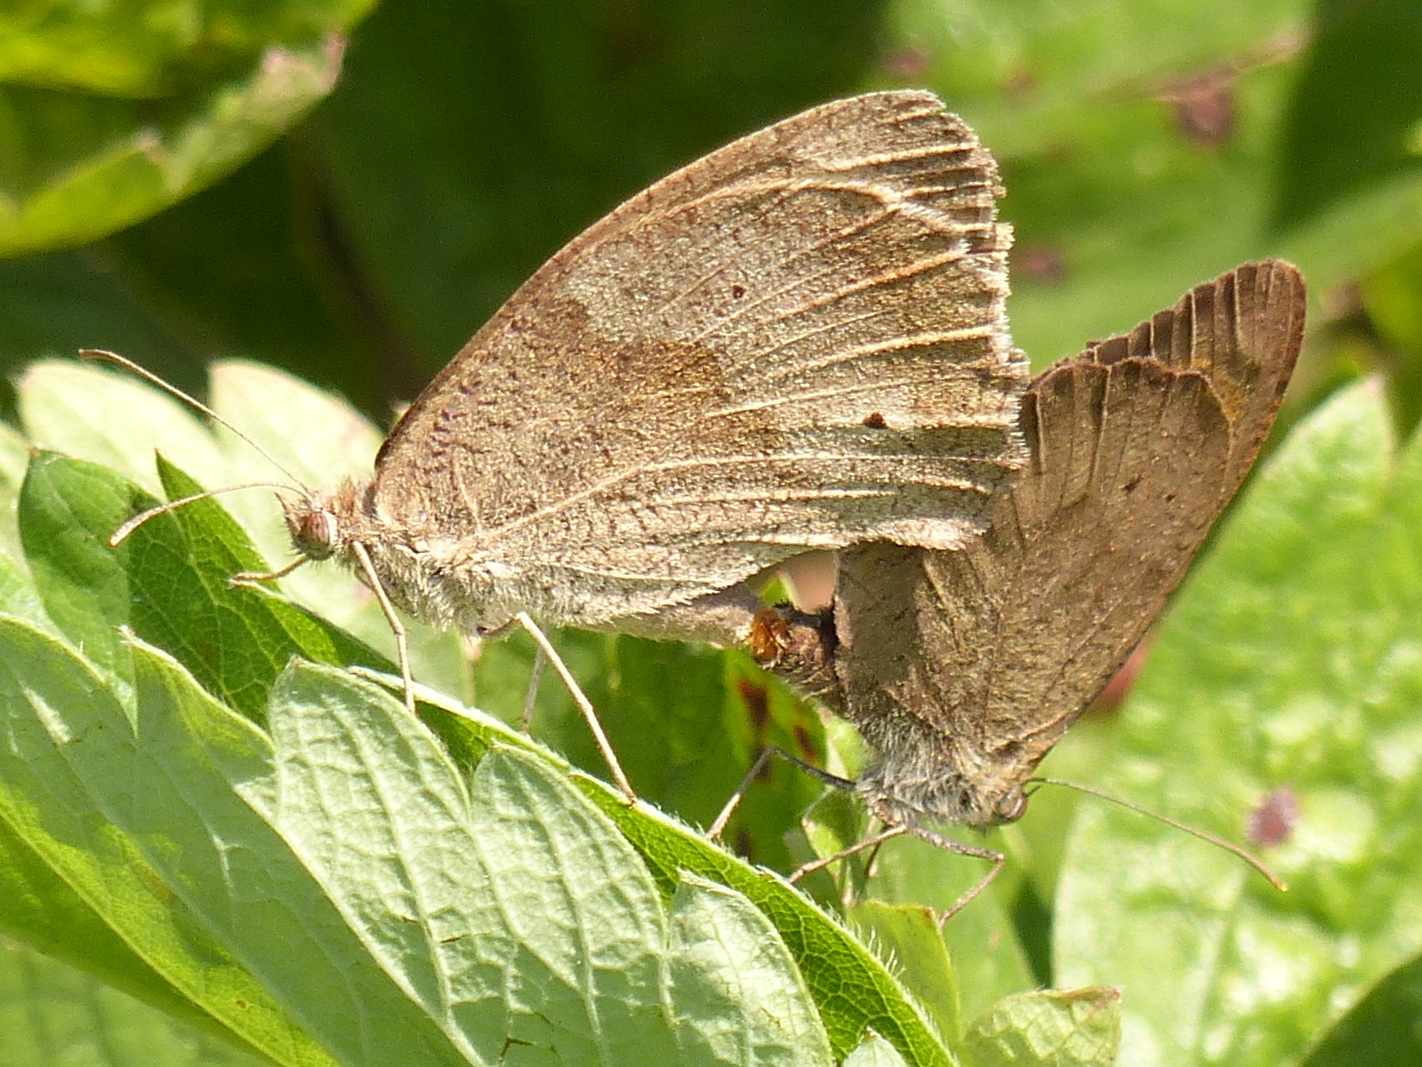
<point x="1011" y="807"/>
<point x="319" y="529"/>
<point x="313" y="529"/>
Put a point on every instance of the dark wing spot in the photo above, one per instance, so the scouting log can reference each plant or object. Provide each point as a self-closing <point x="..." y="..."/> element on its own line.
<point x="875" y="421"/>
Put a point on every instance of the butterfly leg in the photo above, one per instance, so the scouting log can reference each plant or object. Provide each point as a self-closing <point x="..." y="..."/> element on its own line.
<point x="240" y="578"/>
<point x="766" y="755"/>
<point x="997" y="859"/>
<point x="719" y="826"/>
<point x="535" y="675"/>
<point x="584" y="704"/>
<point x="402" y="648"/>
<point x="834" y="781"/>
<point x="872" y="841"/>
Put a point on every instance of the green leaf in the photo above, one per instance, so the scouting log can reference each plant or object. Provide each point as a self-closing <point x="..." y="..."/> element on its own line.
<point x="1353" y="122"/>
<point x="853" y="990"/>
<point x="54" y="1014"/>
<point x="911" y="940"/>
<point x="126" y="819"/>
<point x="763" y="1019"/>
<point x="38" y="908"/>
<point x="111" y="118"/>
<point x="141" y="49"/>
<point x="1381" y="1029"/>
<point x="166" y="700"/>
<point x="550" y="933"/>
<point x="1081" y="1028"/>
<point x="67" y="511"/>
<point x="874" y="1051"/>
<point x="112" y="418"/>
<point x="988" y="959"/>
<point x="398" y="913"/>
<point x="1121" y="199"/>
<point x="1288" y="674"/>
<point x="1392" y="298"/>
<point x="18" y="595"/>
<point x="14" y="458"/>
<point x="168" y="582"/>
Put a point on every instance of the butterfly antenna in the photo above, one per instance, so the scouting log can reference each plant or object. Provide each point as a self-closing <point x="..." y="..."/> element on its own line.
<point x="118" y="536"/>
<point x="100" y="355"/>
<point x="1194" y="831"/>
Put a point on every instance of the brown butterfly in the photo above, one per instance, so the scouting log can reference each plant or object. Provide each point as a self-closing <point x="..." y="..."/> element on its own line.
<point x="797" y="341"/>
<point x="963" y="668"/>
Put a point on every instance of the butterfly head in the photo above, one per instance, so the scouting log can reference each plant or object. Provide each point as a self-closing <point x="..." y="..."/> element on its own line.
<point x="960" y="786"/>
<point x="322" y="524"/>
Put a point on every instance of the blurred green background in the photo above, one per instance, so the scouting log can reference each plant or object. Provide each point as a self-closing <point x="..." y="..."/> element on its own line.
<point x="359" y="238"/>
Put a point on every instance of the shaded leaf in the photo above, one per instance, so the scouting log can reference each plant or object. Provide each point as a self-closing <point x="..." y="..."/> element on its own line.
<point x="43" y="912"/>
<point x="58" y="1015"/>
<point x="1381" y="1029"/>
<point x="112" y="117"/>
<point x="141" y="858"/>
<point x="1355" y="107"/>
<point x="168" y="582"/>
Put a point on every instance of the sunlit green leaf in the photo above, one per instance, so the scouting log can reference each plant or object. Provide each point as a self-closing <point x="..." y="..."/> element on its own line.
<point x="1285" y="683"/>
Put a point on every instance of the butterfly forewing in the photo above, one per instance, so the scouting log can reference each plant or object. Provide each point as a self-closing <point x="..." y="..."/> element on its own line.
<point x="797" y="341"/>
